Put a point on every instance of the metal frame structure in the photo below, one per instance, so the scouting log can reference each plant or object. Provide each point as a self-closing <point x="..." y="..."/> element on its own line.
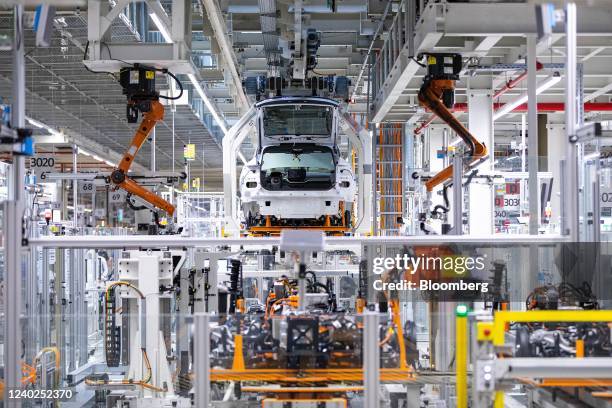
<point x="13" y="211"/>
<point x="177" y="241"/>
<point x="490" y="371"/>
<point x="359" y="138"/>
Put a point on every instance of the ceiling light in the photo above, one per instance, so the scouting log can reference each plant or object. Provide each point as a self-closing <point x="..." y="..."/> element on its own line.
<point x="512" y="105"/>
<point x="161" y="27"/>
<point x="41" y="125"/>
<point x="209" y="105"/>
<point x="36" y="123"/>
<point x="84" y="152"/>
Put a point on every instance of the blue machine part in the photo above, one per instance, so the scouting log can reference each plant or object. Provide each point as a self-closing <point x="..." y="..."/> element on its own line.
<point x="27" y="146"/>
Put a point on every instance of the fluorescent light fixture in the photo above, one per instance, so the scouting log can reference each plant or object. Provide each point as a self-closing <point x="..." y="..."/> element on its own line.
<point x="36" y="123"/>
<point x="41" y="125"/>
<point x="84" y="152"/>
<point x="512" y="105"/>
<point x="207" y="102"/>
<point x="161" y="27"/>
<point x="95" y="157"/>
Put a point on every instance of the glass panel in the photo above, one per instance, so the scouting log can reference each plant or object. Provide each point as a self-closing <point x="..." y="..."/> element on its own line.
<point x="298" y="120"/>
<point x="85" y="338"/>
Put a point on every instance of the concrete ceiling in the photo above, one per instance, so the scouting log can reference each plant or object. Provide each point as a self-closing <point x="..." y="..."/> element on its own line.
<point x="64" y="95"/>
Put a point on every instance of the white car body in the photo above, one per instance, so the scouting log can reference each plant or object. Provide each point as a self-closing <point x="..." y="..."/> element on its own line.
<point x="292" y="177"/>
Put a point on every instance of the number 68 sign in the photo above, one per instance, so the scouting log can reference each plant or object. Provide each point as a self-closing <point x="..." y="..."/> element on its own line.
<point x="86" y="187"/>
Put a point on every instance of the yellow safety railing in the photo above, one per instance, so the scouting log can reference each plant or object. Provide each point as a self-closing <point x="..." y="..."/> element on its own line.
<point x="502" y="318"/>
<point x="461" y="356"/>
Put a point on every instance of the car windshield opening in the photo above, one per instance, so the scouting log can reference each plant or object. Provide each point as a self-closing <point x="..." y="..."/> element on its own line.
<point x="297" y="120"/>
<point x="297" y="167"/>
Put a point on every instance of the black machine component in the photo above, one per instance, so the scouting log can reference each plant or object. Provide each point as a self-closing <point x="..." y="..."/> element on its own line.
<point x="112" y="333"/>
<point x="316" y="340"/>
<point x="313" y="42"/>
<point x="235" y="289"/>
<point x="556" y="339"/>
<point x="138" y="85"/>
<point x="444" y="67"/>
<point x="261" y="87"/>
<point x="560" y="339"/>
<point x="499" y="294"/>
<point x="565" y="294"/>
<point x="302" y="341"/>
<point x="362" y="290"/>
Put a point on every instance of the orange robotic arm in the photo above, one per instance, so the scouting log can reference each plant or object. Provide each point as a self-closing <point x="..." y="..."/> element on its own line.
<point x="119" y="175"/>
<point x="430" y="97"/>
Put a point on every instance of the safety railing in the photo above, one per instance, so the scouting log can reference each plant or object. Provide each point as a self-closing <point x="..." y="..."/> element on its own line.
<point x="397" y="39"/>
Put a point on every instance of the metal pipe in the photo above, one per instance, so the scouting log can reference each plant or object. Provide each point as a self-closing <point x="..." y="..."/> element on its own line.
<point x="424" y="125"/>
<point x="514" y="82"/>
<point x="458" y="194"/>
<point x="371" y="129"/>
<point x="542" y="107"/>
<point x="153" y="147"/>
<point x="545" y="107"/>
<point x="532" y="123"/>
<point x="523" y="141"/>
<point x="597" y="207"/>
<point x="201" y="360"/>
<point x="511" y="67"/>
<point x="13" y="215"/>
<point x="75" y="186"/>
<point x="571" y="197"/>
<point x="167" y="241"/>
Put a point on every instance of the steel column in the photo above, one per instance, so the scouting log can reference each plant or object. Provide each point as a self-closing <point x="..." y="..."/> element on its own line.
<point x="75" y="187"/>
<point x="571" y="192"/>
<point x="13" y="216"/>
<point x="12" y="302"/>
<point x="480" y="120"/>
<point x="44" y="309"/>
<point x="71" y="294"/>
<point x="371" y="360"/>
<point x="532" y="123"/>
<point x="202" y="360"/>
<point x="596" y="206"/>
<point x="153" y="146"/>
<point x="458" y="195"/>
